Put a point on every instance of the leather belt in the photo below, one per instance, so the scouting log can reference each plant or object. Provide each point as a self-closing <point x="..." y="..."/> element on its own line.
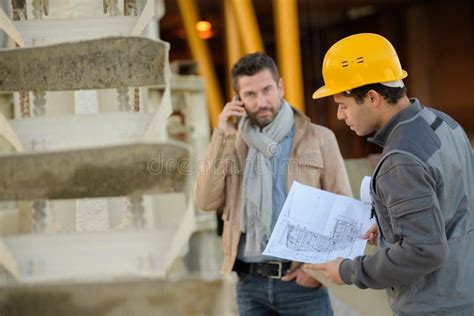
<point x="269" y="269"/>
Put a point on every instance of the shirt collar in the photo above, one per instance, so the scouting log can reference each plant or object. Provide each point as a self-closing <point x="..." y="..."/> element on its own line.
<point x="381" y="136"/>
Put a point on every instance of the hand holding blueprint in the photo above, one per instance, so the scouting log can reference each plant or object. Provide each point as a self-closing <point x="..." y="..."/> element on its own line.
<point x="317" y="226"/>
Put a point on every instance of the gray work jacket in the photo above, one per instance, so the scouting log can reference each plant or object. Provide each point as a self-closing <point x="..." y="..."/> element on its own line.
<point x="423" y="193"/>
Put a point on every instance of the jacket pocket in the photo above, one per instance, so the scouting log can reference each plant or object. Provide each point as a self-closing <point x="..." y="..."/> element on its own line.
<point x="310" y="160"/>
<point x="306" y="169"/>
<point x="416" y="219"/>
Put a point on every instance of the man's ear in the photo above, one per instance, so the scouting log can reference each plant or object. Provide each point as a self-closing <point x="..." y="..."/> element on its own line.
<point x="374" y="98"/>
<point x="281" y="88"/>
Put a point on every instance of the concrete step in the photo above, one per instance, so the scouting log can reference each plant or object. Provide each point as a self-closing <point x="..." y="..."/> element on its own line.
<point x="111" y="62"/>
<point x="127" y="169"/>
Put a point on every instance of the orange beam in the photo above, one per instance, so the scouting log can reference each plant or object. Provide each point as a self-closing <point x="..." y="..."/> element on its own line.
<point x="202" y="55"/>
<point x="288" y="50"/>
<point x="233" y="43"/>
<point x="248" y="26"/>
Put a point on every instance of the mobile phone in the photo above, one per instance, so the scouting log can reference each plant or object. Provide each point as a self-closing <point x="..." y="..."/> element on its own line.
<point x="237" y="118"/>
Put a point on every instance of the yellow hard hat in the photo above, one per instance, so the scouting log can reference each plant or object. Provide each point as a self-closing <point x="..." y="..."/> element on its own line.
<point x="358" y="60"/>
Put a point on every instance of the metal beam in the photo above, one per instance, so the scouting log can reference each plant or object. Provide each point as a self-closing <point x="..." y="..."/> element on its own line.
<point x="248" y="26"/>
<point x="288" y="50"/>
<point x="233" y="42"/>
<point x="202" y="55"/>
<point x="144" y="18"/>
<point x="9" y="28"/>
<point x="8" y="262"/>
<point x="9" y="135"/>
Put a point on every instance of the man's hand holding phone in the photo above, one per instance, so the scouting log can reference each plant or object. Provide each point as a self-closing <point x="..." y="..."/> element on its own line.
<point x="234" y="108"/>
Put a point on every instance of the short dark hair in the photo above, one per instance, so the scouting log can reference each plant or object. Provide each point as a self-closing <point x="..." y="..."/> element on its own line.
<point x="391" y="95"/>
<point x="251" y="64"/>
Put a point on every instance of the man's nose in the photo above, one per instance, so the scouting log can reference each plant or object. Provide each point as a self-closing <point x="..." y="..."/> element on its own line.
<point x="261" y="101"/>
<point x="340" y="114"/>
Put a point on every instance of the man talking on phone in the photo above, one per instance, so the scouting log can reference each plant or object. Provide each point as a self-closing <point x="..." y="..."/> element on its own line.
<point x="248" y="170"/>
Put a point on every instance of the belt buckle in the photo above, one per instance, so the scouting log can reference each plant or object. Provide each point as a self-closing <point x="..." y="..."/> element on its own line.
<point x="280" y="268"/>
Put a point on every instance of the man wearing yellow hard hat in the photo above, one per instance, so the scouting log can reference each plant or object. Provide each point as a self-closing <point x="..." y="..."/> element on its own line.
<point x="422" y="188"/>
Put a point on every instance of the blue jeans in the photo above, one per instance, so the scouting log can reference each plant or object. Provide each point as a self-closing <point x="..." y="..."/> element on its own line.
<point x="258" y="295"/>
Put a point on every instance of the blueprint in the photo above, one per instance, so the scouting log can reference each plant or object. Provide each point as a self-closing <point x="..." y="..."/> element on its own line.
<point x="317" y="226"/>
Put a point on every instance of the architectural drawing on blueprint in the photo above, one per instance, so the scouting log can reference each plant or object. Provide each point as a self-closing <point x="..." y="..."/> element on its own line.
<point x="344" y="233"/>
<point x="318" y="226"/>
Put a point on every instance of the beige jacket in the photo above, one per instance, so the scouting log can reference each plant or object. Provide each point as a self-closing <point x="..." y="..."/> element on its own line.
<point x="314" y="160"/>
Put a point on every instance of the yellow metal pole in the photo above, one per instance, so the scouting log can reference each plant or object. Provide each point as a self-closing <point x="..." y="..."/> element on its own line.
<point x="233" y="43"/>
<point x="288" y="50"/>
<point x="248" y="26"/>
<point x="202" y="55"/>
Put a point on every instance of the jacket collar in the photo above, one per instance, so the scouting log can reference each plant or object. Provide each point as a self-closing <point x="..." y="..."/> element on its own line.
<point x="381" y="136"/>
